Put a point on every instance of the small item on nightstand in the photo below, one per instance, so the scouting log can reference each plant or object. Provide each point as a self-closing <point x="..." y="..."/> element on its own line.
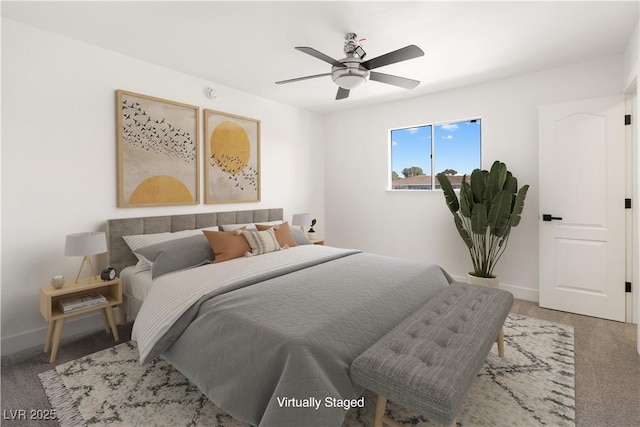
<point x="108" y="273"/>
<point x="76" y="303"/>
<point x="311" y="234"/>
<point x="57" y="281"/>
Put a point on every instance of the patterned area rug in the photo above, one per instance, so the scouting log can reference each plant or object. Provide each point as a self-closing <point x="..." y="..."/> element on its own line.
<point x="532" y="386"/>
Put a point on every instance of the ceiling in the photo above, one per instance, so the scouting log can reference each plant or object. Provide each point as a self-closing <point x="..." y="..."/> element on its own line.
<point x="250" y="45"/>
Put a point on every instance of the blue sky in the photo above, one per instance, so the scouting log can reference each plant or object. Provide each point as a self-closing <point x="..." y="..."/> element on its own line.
<point x="457" y="146"/>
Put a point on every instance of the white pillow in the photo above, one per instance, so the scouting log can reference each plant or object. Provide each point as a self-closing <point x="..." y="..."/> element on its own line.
<point x="276" y="222"/>
<point x="234" y="227"/>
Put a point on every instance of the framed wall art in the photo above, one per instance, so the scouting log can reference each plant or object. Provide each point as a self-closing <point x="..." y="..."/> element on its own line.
<point x="158" y="151"/>
<point x="232" y="158"/>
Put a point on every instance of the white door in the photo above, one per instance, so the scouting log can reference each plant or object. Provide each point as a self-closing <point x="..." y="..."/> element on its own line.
<point x="582" y="181"/>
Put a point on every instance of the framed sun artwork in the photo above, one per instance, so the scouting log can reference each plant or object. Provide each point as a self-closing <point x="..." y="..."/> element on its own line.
<point x="232" y="158"/>
<point x="158" y="151"/>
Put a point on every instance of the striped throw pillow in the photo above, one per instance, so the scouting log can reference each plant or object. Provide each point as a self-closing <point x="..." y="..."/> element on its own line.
<point x="261" y="242"/>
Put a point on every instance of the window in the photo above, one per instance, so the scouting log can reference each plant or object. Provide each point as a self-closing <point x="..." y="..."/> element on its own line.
<point x="421" y="152"/>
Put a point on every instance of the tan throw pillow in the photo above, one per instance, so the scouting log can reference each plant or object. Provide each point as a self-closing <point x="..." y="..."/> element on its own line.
<point x="282" y="232"/>
<point x="261" y="242"/>
<point x="227" y="245"/>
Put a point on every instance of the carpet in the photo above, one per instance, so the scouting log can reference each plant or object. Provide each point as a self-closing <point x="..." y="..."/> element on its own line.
<point x="532" y="386"/>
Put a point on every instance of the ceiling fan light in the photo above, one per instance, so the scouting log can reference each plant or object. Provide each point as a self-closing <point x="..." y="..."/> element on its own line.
<point x="350" y="78"/>
<point x="350" y="82"/>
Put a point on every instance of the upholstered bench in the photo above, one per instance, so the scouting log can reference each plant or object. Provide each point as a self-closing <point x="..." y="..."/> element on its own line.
<point x="428" y="361"/>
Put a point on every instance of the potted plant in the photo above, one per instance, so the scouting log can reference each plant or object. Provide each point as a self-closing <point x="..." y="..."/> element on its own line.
<point x="489" y="206"/>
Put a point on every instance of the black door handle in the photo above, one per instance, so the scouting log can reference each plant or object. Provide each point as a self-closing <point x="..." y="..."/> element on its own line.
<point x="548" y="217"/>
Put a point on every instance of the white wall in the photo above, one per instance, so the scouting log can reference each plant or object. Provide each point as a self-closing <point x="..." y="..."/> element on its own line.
<point x="361" y="213"/>
<point x="630" y="58"/>
<point x="59" y="159"/>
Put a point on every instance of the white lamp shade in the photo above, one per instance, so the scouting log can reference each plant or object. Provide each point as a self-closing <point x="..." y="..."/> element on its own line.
<point x="82" y="244"/>
<point x="302" y="220"/>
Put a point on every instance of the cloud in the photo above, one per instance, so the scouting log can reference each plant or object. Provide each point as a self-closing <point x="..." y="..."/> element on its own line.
<point x="412" y="130"/>
<point x="447" y="137"/>
<point x="394" y="143"/>
<point x="449" y="126"/>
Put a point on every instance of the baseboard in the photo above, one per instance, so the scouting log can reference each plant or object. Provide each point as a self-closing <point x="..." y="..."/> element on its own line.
<point x="72" y="326"/>
<point x="518" y="292"/>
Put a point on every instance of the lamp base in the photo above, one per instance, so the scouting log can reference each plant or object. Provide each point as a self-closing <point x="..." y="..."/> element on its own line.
<point x="93" y="270"/>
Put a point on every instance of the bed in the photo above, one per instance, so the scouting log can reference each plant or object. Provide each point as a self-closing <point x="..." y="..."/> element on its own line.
<point x="270" y="338"/>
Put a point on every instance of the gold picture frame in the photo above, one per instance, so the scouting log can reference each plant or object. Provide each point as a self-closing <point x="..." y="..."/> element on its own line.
<point x="232" y="158"/>
<point x="158" y="151"/>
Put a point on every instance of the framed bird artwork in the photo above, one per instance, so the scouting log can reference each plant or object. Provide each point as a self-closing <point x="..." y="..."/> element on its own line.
<point x="158" y="151"/>
<point x="232" y="158"/>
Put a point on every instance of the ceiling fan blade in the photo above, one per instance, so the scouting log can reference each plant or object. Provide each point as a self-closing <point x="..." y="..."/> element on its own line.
<point x="407" y="52"/>
<point x="342" y="93"/>
<point x="393" y="80"/>
<point x="316" y="54"/>
<point x="297" y="79"/>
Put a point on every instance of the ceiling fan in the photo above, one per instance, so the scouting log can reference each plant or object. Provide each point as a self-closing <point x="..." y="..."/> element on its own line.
<point x="351" y="72"/>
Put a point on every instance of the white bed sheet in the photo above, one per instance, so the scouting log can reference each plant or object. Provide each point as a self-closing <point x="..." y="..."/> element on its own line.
<point x="135" y="284"/>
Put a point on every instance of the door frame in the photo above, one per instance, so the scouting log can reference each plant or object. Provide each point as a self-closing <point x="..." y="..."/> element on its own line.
<point x="632" y="103"/>
<point x="631" y="216"/>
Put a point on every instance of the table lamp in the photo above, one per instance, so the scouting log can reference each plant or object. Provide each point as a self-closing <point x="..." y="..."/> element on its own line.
<point x="85" y="244"/>
<point x="301" y="220"/>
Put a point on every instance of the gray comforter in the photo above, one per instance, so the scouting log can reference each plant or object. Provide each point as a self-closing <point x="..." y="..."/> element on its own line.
<point x="261" y="350"/>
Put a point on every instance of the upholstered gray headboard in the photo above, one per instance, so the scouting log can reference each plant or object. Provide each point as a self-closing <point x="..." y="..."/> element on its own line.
<point x="120" y="256"/>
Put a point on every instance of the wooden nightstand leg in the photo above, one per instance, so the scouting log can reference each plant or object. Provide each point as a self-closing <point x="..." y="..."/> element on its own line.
<point x="105" y="320"/>
<point x="112" y="323"/>
<point x="56" y="339"/>
<point x="47" y="343"/>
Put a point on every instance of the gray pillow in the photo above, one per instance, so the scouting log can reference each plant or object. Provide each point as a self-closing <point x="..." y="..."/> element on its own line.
<point x="299" y="236"/>
<point x="177" y="254"/>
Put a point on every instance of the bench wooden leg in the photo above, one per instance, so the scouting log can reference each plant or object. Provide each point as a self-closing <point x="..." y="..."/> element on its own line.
<point x="500" y="341"/>
<point x="381" y="404"/>
<point x="380" y="419"/>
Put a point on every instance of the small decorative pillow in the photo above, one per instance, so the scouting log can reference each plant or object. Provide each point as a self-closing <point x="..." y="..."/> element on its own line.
<point x="227" y="244"/>
<point x="282" y="232"/>
<point x="261" y="242"/>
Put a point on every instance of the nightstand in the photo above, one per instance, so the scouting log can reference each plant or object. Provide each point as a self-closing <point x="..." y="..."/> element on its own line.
<point x="52" y="313"/>
<point x="317" y="241"/>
